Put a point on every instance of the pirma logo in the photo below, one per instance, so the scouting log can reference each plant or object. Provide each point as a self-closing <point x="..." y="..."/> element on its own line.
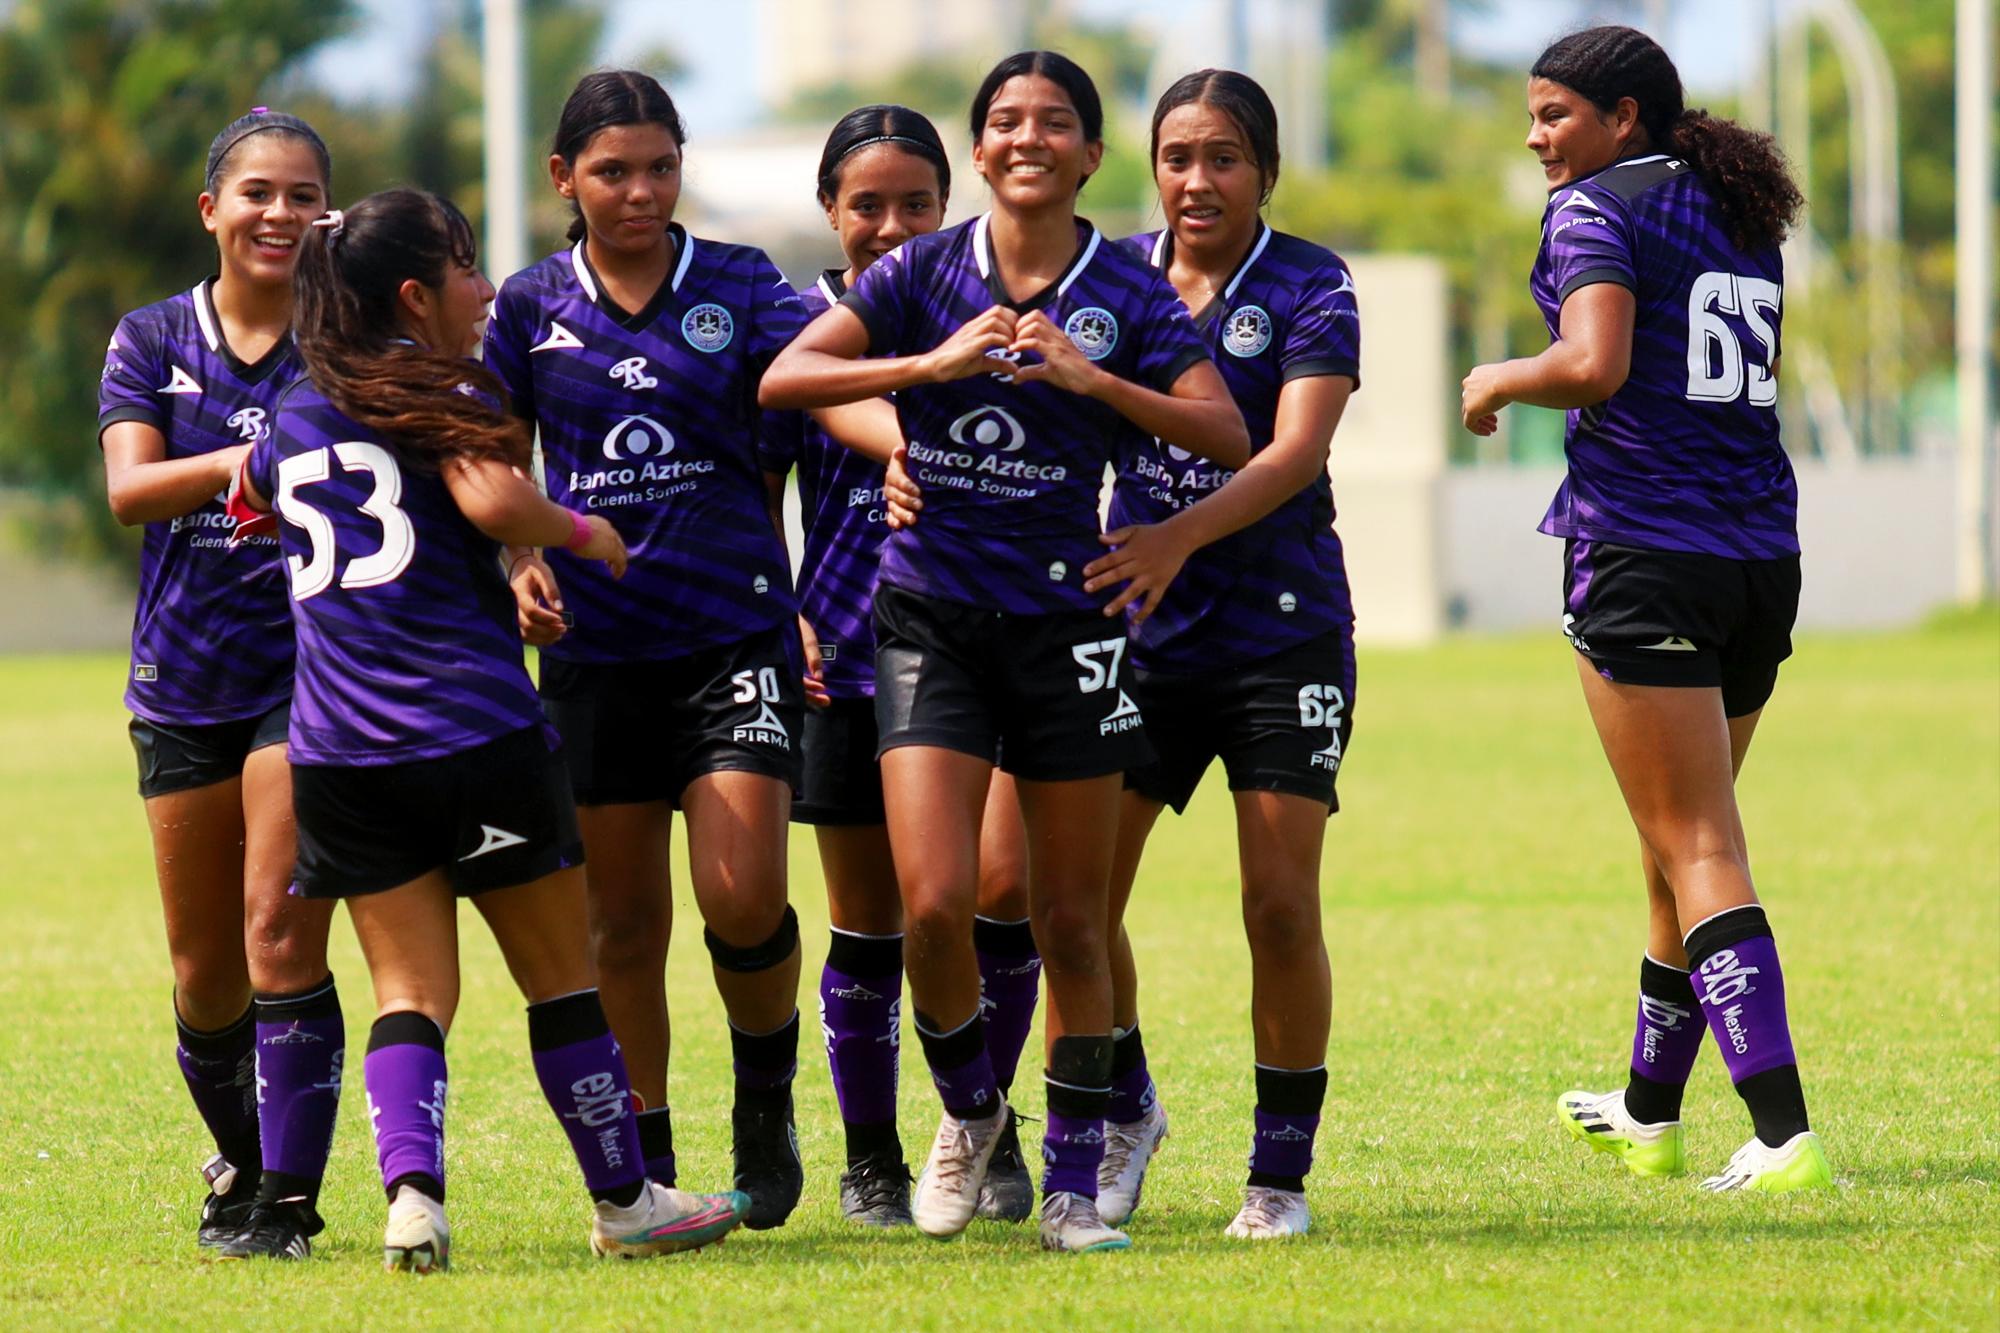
<point x="145" y="671"/>
<point x="760" y="687"/>
<point x="638" y="437"/>
<point x="1286" y="1134"/>
<point x="994" y="427"/>
<point x="708" y="327"/>
<point x="1124" y="717"/>
<point x="1249" y="331"/>
<point x="1094" y="330"/>
<point x="631" y="372"/>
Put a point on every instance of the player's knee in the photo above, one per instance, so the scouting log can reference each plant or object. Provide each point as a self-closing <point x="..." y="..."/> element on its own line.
<point x="755" y="952"/>
<point x="1073" y="937"/>
<point x="937" y="917"/>
<point x="631" y="934"/>
<point x="1279" y="920"/>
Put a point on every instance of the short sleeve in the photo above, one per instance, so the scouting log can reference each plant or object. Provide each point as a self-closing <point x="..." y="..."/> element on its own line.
<point x="1323" y="336"/>
<point x="880" y="297"/>
<point x="1585" y="242"/>
<point x="129" y="387"/>
<point x="776" y="312"/>
<point x="779" y="437"/>
<point x="509" y="334"/>
<point x="1168" y="340"/>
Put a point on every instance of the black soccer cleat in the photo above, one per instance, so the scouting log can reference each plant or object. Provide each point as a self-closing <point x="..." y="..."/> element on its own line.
<point x="280" y="1230"/>
<point x="1009" y="1192"/>
<point x="768" y="1169"/>
<point x="231" y="1196"/>
<point x="875" y="1192"/>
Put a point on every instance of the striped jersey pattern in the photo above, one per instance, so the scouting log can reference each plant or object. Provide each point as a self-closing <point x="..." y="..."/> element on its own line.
<point x="211" y="636"/>
<point x="840" y="503"/>
<point x="1685" y="456"/>
<point x="1287" y="313"/>
<point x="407" y="643"/>
<point x="1011" y="471"/>
<point x="650" y="419"/>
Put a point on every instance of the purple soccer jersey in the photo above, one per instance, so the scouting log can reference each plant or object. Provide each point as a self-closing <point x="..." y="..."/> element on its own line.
<point x="407" y="643"/>
<point x="840" y="499"/>
<point x="1288" y="312"/>
<point x="212" y="636"/>
<point x="1685" y="456"/>
<point x="1011" y="471"/>
<point x="651" y="420"/>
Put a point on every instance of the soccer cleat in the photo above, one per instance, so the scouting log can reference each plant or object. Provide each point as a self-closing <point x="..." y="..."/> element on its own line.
<point x="1070" y="1225"/>
<point x="1600" y="1119"/>
<point x="947" y="1193"/>
<point x="231" y="1196"/>
<point x="417" y="1239"/>
<point x="768" y="1170"/>
<point x="1799" y="1164"/>
<point x="1008" y="1194"/>
<point x="665" y="1221"/>
<point x="1270" y="1214"/>
<point x="875" y="1192"/>
<point x="1128" y="1151"/>
<point x="280" y="1230"/>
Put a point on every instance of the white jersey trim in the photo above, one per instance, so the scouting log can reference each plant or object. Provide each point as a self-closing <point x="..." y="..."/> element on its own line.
<point x="1243" y="269"/>
<point x="204" y="317"/>
<point x="982" y="253"/>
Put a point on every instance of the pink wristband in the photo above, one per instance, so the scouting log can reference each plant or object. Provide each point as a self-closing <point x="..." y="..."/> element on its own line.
<point x="579" y="532"/>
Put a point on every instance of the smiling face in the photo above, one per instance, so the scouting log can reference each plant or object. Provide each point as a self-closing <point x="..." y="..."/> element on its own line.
<point x="269" y="192"/>
<point x="1032" y="150"/>
<point x="1210" y="188"/>
<point x="887" y="195"/>
<point x="450" y="317"/>
<point x="626" y="181"/>
<point x="1571" y="137"/>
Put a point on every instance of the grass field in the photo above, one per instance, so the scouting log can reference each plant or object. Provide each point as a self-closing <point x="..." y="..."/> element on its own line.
<point x="1483" y="910"/>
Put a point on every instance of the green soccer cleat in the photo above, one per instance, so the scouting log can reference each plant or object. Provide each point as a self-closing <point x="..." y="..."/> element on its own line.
<point x="1600" y="1119"/>
<point x="1799" y="1164"/>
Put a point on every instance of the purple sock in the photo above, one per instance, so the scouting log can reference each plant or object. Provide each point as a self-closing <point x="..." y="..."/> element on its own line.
<point x="1010" y="984"/>
<point x="1664" y="1044"/>
<point x="1288" y="1109"/>
<point x="1131" y="1082"/>
<point x="1079" y="1088"/>
<point x="1072" y="1149"/>
<point x="404" y="1073"/>
<point x="584" y="1079"/>
<point x="221" y="1072"/>
<point x="860" y="1011"/>
<point x="301" y="1046"/>
<point x="961" y="1068"/>
<point x="1742" y="991"/>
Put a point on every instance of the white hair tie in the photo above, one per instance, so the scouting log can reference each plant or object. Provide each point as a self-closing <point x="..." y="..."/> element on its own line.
<point x="335" y="222"/>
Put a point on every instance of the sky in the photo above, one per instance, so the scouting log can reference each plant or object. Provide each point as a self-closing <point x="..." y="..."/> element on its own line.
<point x="1709" y="39"/>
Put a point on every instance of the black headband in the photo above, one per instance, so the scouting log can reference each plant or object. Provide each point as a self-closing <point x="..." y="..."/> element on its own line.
<point x="854" y="148"/>
<point x="260" y="119"/>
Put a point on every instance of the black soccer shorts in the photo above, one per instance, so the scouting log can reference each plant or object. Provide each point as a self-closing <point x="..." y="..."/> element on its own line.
<point x="181" y="758"/>
<point x="1680" y="618"/>
<point x="842" y="783"/>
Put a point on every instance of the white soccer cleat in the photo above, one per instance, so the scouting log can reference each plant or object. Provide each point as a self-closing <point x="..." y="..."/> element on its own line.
<point x="417" y="1241"/>
<point x="1128" y="1151"/>
<point x="947" y="1193"/>
<point x="1071" y="1225"/>
<point x="1601" y="1120"/>
<point x="1270" y="1214"/>
<point x="664" y="1221"/>
<point x="1797" y="1164"/>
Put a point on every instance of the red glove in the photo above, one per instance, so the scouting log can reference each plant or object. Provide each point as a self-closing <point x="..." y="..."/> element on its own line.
<point x="249" y="522"/>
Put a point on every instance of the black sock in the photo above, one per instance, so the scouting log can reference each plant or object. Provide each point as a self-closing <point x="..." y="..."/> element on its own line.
<point x="656" y="1144"/>
<point x="866" y="1141"/>
<point x="1777" y="1104"/>
<point x="765" y="1063"/>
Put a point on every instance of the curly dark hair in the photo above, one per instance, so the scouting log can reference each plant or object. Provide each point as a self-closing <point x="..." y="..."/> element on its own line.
<point x="1744" y="170"/>
<point x="430" y="405"/>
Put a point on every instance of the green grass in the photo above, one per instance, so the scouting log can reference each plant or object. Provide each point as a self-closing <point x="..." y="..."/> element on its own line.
<point x="1483" y="910"/>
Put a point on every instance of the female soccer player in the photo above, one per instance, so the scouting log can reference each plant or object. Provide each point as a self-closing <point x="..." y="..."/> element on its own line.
<point x="1660" y="280"/>
<point x="883" y="178"/>
<point x="637" y="352"/>
<point x="188" y="387"/>
<point x="1046" y="351"/>
<point x="421" y="767"/>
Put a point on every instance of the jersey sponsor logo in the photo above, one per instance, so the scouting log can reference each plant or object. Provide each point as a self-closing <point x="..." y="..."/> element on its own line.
<point x="180" y="382"/>
<point x="1322" y="706"/>
<point x="558" y="339"/>
<point x="248" y="423"/>
<point x="1094" y="330"/>
<point x="760" y="687"/>
<point x="637" y="437"/>
<point x="708" y="327"/>
<point x="492" y="840"/>
<point x="631" y="372"/>
<point x="1248" y="331"/>
<point x="1673" y="643"/>
<point x="994" y="427"/>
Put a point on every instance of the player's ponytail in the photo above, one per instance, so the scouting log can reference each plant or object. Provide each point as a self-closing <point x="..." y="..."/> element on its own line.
<point x="606" y="98"/>
<point x="1243" y="100"/>
<point x="429" y="404"/>
<point x="1744" y="171"/>
<point x="867" y="126"/>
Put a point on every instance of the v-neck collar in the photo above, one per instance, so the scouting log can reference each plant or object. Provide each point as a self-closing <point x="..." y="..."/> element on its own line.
<point x="250" y="372"/>
<point x="989" y="267"/>
<point x="631" y="321"/>
<point x="1163" y="255"/>
<point x="832" y="285"/>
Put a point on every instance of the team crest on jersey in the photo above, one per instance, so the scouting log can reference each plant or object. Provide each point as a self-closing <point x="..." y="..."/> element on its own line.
<point x="1249" y="331"/>
<point x="1094" y="330"/>
<point x="638" y="437"/>
<point x="708" y="327"/>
